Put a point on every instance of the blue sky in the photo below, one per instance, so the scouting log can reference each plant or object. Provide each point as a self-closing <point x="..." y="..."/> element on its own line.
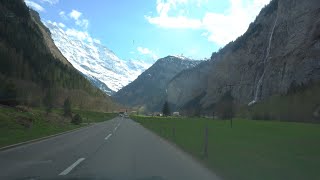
<point x="151" y="29"/>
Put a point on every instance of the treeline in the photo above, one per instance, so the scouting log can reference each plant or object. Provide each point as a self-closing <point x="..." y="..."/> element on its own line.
<point x="301" y="103"/>
<point x="28" y="71"/>
<point x="24" y="55"/>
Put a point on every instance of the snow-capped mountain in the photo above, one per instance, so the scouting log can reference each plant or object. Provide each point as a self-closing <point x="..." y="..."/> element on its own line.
<point x="99" y="64"/>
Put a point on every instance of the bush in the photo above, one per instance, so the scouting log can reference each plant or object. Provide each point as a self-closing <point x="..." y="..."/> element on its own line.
<point x="48" y="101"/>
<point x="67" y="108"/>
<point x="8" y="94"/>
<point x="299" y="104"/>
<point x="225" y="106"/>
<point x="76" y="119"/>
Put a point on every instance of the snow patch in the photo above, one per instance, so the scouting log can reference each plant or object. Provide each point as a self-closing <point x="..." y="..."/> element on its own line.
<point x="96" y="61"/>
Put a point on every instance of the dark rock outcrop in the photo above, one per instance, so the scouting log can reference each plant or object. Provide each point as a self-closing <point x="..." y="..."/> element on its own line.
<point x="149" y="90"/>
<point x="280" y="47"/>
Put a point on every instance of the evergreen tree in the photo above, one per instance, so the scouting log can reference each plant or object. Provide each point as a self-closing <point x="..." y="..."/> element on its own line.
<point x="76" y="119"/>
<point x="67" y="107"/>
<point x="48" y="101"/>
<point x="166" y="109"/>
<point x="9" y="94"/>
<point x="225" y="106"/>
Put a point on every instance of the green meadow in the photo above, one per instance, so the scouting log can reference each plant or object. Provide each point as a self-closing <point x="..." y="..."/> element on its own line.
<point x="17" y="126"/>
<point x="249" y="150"/>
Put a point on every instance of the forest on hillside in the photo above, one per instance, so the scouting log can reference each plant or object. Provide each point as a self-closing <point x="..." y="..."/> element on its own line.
<point x="29" y="72"/>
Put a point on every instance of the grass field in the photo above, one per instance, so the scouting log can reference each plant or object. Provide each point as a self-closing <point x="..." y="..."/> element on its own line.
<point x="298" y="105"/>
<point x="89" y="116"/>
<point x="249" y="150"/>
<point x="17" y="126"/>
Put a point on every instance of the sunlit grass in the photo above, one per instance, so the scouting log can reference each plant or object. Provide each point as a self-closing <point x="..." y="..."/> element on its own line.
<point x="11" y="131"/>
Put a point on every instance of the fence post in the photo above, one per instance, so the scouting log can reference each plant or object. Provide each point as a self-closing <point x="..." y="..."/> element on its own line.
<point x="206" y="143"/>
<point x="174" y="133"/>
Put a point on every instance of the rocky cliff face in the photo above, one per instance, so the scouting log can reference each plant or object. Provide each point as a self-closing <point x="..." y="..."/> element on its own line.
<point x="149" y="89"/>
<point x="282" y="46"/>
<point x="52" y="48"/>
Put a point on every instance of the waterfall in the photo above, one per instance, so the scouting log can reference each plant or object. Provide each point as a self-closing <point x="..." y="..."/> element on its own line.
<point x="265" y="61"/>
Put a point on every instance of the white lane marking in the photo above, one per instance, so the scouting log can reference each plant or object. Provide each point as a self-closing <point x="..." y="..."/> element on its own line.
<point x="108" y="137"/>
<point x="116" y="127"/>
<point x="69" y="169"/>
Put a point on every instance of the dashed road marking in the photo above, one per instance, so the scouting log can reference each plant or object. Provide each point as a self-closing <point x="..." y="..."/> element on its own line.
<point x="69" y="169"/>
<point x="108" y="137"/>
<point x="115" y="129"/>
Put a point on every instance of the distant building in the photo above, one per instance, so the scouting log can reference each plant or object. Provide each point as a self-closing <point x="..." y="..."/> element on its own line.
<point x="134" y="112"/>
<point x="157" y="114"/>
<point x="176" y="114"/>
<point x="122" y="111"/>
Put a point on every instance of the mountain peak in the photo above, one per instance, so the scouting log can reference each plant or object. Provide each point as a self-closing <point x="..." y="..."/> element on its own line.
<point x="180" y="57"/>
<point x="149" y="89"/>
<point x="98" y="63"/>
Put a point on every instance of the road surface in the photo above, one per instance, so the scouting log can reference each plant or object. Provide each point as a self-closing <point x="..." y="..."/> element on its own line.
<point x="119" y="149"/>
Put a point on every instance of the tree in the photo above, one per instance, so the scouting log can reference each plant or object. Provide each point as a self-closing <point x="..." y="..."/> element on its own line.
<point x="225" y="107"/>
<point x="67" y="107"/>
<point x="48" y="101"/>
<point x="9" y="94"/>
<point x="76" y="119"/>
<point x="166" y="109"/>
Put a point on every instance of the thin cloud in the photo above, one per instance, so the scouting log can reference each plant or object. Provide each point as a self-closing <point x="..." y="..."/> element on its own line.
<point x="62" y="14"/>
<point x="84" y="23"/>
<point x="81" y="35"/>
<point x="51" y="2"/>
<point x="219" y="28"/>
<point x="179" y="22"/>
<point x="146" y="51"/>
<point x="34" y="6"/>
<point x="223" y="28"/>
<point x="76" y="15"/>
<point x="163" y="20"/>
<point x="62" y="25"/>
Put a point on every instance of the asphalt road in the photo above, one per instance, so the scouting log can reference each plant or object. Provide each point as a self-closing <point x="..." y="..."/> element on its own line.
<point x="119" y="149"/>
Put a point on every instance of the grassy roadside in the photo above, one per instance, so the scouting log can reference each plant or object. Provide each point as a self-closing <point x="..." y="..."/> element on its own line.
<point x="89" y="116"/>
<point x="17" y="126"/>
<point x="249" y="150"/>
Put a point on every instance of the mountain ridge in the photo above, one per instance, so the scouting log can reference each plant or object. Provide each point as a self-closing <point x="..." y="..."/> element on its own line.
<point x="30" y="72"/>
<point x="148" y="91"/>
<point x="96" y="61"/>
<point x="279" y="48"/>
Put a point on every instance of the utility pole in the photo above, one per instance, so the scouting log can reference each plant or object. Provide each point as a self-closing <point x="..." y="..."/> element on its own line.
<point x="206" y="142"/>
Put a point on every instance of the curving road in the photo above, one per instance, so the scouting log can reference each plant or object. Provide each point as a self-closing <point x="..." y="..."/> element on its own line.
<point x="119" y="149"/>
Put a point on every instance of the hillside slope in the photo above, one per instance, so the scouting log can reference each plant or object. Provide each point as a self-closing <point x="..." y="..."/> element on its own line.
<point x="148" y="91"/>
<point x="280" y="48"/>
<point x="98" y="63"/>
<point x="30" y="70"/>
<point x="48" y="39"/>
